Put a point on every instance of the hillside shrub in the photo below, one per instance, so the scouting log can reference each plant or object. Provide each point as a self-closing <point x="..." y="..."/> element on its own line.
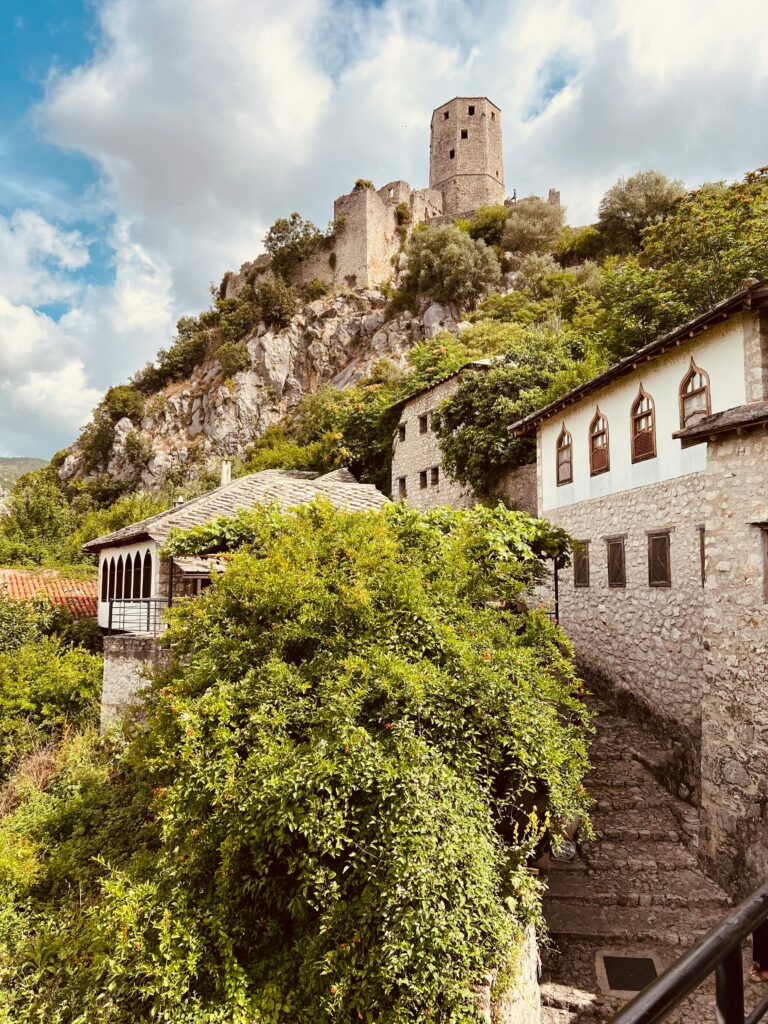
<point x="634" y="204"/>
<point x="289" y="240"/>
<point x="314" y="289"/>
<point x="488" y="224"/>
<point x="233" y="357"/>
<point x="278" y="300"/>
<point x="447" y="266"/>
<point x="532" y="225"/>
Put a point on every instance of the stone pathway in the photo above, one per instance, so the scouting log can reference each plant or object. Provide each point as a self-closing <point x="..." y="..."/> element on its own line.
<point x="636" y="890"/>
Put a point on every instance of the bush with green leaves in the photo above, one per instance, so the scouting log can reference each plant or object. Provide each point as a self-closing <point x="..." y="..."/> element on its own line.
<point x="634" y="204"/>
<point x="46" y="687"/>
<point x="446" y="265"/>
<point x="314" y="289"/>
<point x="233" y="357"/>
<point x="290" y="240"/>
<point x="278" y="301"/>
<point x="488" y="224"/>
<point x="328" y="812"/>
<point x="532" y="225"/>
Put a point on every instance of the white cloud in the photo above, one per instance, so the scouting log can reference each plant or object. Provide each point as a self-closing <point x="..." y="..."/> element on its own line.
<point x="208" y="121"/>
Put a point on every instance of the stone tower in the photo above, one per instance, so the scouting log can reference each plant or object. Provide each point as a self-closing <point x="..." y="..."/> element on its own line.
<point x="466" y="162"/>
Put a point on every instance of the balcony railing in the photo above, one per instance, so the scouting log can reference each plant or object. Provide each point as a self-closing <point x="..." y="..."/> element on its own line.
<point x="718" y="953"/>
<point x="137" y="615"/>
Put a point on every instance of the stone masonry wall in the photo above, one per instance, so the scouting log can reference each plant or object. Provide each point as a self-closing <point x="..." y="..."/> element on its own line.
<point x="466" y="161"/>
<point x="128" y="661"/>
<point x="735" y="703"/>
<point x="518" y="488"/>
<point x="419" y="453"/>
<point x="643" y="644"/>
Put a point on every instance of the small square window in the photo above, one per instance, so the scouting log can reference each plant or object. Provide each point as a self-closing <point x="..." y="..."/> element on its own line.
<point x="402" y="487"/>
<point x="452" y="154"/>
<point x="617" y="574"/>
<point x="471" y="111"/>
<point x="434" y="476"/>
<point x="424" y="423"/>
<point x="446" y="114"/>
<point x="401" y="432"/>
<point x="464" y="133"/>
<point x="423" y="479"/>
<point x="581" y="563"/>
<point x="659" y="562"/>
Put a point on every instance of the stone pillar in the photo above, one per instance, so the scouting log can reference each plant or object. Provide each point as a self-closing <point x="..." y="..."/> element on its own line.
<point x="129" y="660"/>
<point x="521" y="1002"/>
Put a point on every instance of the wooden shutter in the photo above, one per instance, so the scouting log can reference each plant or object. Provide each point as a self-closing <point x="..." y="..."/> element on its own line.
<point x="659" y="567"/>
<point x="643" y="444"/>
<point x="616" y="568"/>
<point x="581" y="564"/>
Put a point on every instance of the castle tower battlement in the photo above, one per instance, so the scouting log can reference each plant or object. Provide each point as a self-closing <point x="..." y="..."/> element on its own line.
<point x="466" y="162"/>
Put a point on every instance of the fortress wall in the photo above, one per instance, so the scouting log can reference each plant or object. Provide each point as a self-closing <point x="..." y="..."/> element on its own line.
<point x="465" y="157"/>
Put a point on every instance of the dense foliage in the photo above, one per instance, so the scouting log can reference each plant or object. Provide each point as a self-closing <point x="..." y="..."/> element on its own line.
<point x="446" y="265"/>
<point x="328" y="813"/>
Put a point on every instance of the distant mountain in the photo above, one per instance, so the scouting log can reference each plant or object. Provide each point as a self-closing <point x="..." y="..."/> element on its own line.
<point x="11" y="469"/>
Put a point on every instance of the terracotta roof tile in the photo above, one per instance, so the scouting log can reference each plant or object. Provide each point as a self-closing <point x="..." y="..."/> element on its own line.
<point x="78" y="595"/>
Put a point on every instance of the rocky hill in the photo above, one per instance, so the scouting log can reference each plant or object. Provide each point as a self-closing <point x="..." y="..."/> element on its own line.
<point x="190" y="425"/>
<point x="12" y="468"/>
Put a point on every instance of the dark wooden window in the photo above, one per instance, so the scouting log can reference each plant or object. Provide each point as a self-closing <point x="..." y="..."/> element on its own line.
<point x="703" y="555"/>
<point x="617" y="572"/>
<point x="402" y="487"/>
<point x="146" y="579"/>
<point x="643" y="428"/>
<point x="599" y="456"/>
<point x="401" y="432"/>
<point x="423" y="479"/>
<point x="424" y="423"/>
<point x="464" y="133"/>
<point x="694" y="396"/>
<point x="564" y="458"/>
<point x="119" y="579"/>
<point x="659" y="561"/>
<point x="434" y="475"/>
<point x="581" y="563"/>
<point x="128" y="588"/>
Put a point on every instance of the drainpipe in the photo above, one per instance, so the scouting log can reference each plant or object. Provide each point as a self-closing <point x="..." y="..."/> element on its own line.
<point x="557" y="590"/>
<point x="170" y="581"/>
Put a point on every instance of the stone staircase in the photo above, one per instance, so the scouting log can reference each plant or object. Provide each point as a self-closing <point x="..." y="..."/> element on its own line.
<point x="636" y="890"/>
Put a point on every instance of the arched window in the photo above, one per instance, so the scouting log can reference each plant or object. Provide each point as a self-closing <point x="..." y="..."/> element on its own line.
<point x="111" y="578"/>
<point x="599" y="457"/>
<point x="119" y="579"/>
<point x="127" y="590"/>
<point x="146" y="582"/>
<point x="694" y="396"/>
<point x="104" y="580"/>
<point x="564" y="458"/>
<point x="137" y="576"/>
<point x="643" y="428"/>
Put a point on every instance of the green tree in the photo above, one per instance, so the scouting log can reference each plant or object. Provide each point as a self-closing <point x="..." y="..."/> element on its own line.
<point x="634" y="204"/>
<point x="446" y="265"/>
<point x="488" y="224"/>
<point x="289" y="240"/>
<point x="533" y="225"/>
<point x="278" y="300"/>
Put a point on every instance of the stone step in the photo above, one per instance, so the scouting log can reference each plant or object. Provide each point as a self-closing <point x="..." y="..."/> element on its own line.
<point x="616" y="888"/>
<point x="654" y="857"/>
<point x="638" y="824"/>
<point x="623" y="799"/>
<point x="569" y="999"/>
<point x="611" y="925"/>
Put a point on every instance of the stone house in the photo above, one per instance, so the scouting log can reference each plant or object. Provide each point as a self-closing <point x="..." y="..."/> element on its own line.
<point x="658" y="467"/>
<point x="418" y="476"/>
<point x="137" y="581"/>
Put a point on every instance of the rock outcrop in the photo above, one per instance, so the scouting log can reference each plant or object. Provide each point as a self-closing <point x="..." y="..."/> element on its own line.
<point x="189" y="426"/>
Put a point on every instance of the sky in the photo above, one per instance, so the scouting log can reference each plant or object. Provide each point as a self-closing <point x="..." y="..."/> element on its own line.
<point x="147" y="145"/>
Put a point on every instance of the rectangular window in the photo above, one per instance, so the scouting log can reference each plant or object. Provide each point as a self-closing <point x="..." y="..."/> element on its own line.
<point x="659" y="562"/>
<point x="452" y="154"/>
<point x="471" y="111"/>
<point x="617" y="574"/>
<point x="434" y="476"/>
<point x="402" y="487"/>
<point x="424" y="423"/>
<point x="401" y="432"/>
<point x="581" y="563"/>
<point x="446" y="114"/>
<point x="423" y="479"/>
<point x="702" y="555"/>
<point x="493" y="116"/>
<point x="464" y="133"/>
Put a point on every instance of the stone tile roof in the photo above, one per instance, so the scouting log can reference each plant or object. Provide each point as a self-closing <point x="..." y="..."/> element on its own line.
<point x="754" y="295"/>
<point x="283" y="487"/>
<point x="79" y="596"/>
<point x="753" y="415"/>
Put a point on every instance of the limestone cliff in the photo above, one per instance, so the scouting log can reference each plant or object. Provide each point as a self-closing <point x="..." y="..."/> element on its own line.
<point x="190" y="425"/>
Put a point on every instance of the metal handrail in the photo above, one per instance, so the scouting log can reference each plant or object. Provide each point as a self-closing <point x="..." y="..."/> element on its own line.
<point x="147" y="618"/>
<point x="718" y="952"/>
